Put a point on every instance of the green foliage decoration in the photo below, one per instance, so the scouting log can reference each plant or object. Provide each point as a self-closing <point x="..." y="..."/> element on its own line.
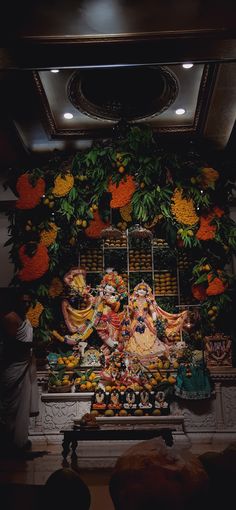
<point x="157" y="173"/>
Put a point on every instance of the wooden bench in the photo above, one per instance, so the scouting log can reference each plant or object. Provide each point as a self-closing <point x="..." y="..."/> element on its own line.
<point x="72" y="436"/>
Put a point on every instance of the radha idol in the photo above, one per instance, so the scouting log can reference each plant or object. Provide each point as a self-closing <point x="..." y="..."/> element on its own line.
<point x="141" y="319"/>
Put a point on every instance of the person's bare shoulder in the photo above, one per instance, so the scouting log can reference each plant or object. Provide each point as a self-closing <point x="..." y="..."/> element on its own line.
<point x="11" y="323"/>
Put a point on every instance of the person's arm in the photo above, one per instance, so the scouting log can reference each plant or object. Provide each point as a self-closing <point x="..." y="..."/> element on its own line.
<point x="11" y="323"/>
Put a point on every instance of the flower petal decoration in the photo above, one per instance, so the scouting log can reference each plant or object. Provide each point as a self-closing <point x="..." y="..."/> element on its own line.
<point x="48" y="237"/>
<point x="122" y="192"/>
<point x="183" y="209"/>
<point x="215" y="285"/>
<point x="34" y="313"/>
<point x="96" y="226"/>
<point x="62" y="185"/>
<point x="29" y="195"/>
<point x="35" y="266"/>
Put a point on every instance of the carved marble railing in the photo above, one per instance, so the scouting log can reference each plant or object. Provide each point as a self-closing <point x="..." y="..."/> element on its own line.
<point x="203" y="418"/>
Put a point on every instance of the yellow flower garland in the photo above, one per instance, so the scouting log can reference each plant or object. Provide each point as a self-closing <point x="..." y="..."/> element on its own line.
<point x="48" y="237"/>
<point x="62" y="185"/>
<point x="34" y="313"/>
<point x="183" y="209"/>
<point x="56" y="287"/>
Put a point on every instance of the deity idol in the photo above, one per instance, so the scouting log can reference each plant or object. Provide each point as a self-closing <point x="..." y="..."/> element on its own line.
<point x="142" y="315"/>
<point x="112" y="291"/>
<point x="101" y="313"/>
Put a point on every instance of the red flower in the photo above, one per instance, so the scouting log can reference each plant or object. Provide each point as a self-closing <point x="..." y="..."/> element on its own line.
<point x="33" y="267"/>
<point x="29" y="195"/>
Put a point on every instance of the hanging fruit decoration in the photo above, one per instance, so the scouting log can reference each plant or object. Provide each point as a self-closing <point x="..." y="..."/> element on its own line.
<point x="122" y="192"/>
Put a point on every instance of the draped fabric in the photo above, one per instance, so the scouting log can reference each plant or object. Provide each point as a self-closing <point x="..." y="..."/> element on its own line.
<point x="18" y="386"/>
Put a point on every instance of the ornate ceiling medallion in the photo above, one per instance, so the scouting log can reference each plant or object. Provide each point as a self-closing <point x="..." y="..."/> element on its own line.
<point x="123" y="93"/>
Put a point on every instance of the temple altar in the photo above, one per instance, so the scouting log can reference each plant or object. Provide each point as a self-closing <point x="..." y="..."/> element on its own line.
<point x="208" y="422"/>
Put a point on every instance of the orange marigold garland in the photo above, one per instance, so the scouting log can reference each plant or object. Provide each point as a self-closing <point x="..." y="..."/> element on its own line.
<point x="33" y="267"/>
<point x="48" y="237"/>
<point x="215" y="285"/>
<point x="183" y="209"/>
<point x="206" y="231"/>
<point x="56" y="287"/>
<point x="62" y="185"/>
<point x="29" y="195"/>
<point x="121" y="193"/>
<point x="96" y="226"/>
<point x="34" y="313"/>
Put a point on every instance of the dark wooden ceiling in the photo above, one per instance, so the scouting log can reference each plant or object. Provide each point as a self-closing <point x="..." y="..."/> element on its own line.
<point x="39" y="36"/>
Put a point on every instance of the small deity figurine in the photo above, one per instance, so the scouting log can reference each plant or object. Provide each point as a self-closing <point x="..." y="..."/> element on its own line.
<point x="99" y="399"/>
<point x="130" y="400"/>
<point x="143" y="339"/>
<point x="160" y="402"/>
<point x="144" y="402"/>
<point x="114" y="401"/>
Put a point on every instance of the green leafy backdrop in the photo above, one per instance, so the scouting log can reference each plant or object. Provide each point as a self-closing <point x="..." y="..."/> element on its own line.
<point x="157" y="173"/>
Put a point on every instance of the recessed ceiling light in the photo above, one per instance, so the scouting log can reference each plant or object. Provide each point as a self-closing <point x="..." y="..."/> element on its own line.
<point x="187" y="66"/>
<point x="180" y="111"/>
<point x="54" y="70"/>
<point x="68" y="116"/>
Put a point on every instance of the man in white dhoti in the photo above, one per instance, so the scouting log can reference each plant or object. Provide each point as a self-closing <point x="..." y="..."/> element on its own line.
<point x="18" y="382"/>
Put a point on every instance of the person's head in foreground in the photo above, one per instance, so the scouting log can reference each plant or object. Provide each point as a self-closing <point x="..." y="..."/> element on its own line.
<point x="65" y="487"/>
<point x="152" y="475"/>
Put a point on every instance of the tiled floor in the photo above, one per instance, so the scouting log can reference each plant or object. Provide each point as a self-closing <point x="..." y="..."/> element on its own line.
<point x="37" y="470"/>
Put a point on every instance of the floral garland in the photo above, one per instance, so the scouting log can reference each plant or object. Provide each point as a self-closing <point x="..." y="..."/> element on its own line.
<point x="34" y="313"/>
<point x="121" y="193"/>
<point x="33" y="267"/>
<point x="62" y="185"/>
<point x="183" y="209"/>
<point x="96" y="226"/>
<point x="215" y="285"/>
<point x="48" y="237"/>
<point x="29" y="195"/>
<point x="207" y="230"/>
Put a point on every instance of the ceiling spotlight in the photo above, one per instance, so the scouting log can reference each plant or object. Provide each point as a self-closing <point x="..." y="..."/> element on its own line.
<point x="187" y="66"/>
<point x="180" y="111"/>
<point x="68" y="116"/>
<point x="54" y="70"/>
